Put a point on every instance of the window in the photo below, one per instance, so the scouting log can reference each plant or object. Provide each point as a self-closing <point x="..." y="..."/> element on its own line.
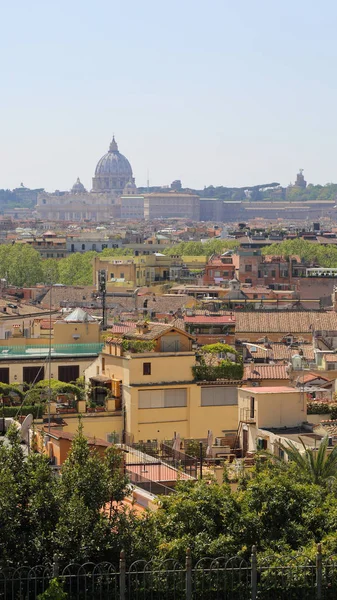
<point x="32" y="374"/>
<point x="69" y="373"/>
<point x="248" y="268"/>
<point x="94" y="247"/>
<point x="121" y="275"/>
<point x="273" y="273"/>
<point x="112" y="275"/>
<point x="225" y="274"/>
<point x="252" y="407"/>
<point x="248" y="280"/>
<point x="163" y="398"/>
<point x="4" y="375"/>
<point x="219" y="396"/>
<point x="83" y="246"/>
<point x="146" y="368"/>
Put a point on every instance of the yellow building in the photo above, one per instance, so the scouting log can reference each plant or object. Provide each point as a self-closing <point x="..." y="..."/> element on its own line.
<point x="75" y="342"/>
<point x="151" y="369"/>
<point x="270" y="415"/>
<point x="135" y="271"/>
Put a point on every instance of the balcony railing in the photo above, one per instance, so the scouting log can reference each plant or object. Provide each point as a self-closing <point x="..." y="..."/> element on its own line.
<point x="248" y="415"/>
<point x="42" y="350"/>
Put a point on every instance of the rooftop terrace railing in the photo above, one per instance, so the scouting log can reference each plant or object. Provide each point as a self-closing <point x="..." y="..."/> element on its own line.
<point x="223" y="578"/>
<point x="42" y="350"/>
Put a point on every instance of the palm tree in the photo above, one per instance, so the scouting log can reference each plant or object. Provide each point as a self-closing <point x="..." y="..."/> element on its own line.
<point x="317" y="465"/>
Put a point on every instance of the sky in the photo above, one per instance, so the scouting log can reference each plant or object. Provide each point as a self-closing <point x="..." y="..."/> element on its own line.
<point x="232" y="93"/>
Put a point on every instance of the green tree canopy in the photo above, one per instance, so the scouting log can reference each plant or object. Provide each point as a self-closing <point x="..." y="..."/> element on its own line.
<point x="77" y="269"/>
<point x="324" y="256"/>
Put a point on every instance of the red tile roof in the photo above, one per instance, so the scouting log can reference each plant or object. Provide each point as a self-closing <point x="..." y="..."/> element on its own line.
<point x="261" y="372"/>
<point x="65" y="435"/>
<point x="286" y="322"/>
<point x="331" y="358"/>
<point x="310" y="377"/>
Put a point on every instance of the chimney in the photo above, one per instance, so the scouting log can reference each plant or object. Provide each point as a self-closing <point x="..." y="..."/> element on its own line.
<point x="142" y="327"/>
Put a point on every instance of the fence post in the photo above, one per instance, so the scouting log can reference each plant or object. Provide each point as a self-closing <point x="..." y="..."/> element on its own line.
<point x="253" y="575"/>
<point x="188" y="564"/>
<point x="122" y="570"/>
<point x="319" y="572"/>
<point x="56" y="566"/>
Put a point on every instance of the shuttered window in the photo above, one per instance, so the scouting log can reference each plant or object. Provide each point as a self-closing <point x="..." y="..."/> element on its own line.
<point x="32" y="374"/>
<point x="69" y="373"/>
<point x="163" y="398"/>
<point x="4" y="375"/>
<point x="219" y="396"/>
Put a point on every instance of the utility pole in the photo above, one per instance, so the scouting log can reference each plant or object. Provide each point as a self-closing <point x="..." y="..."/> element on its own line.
<point x="102" y="290"/>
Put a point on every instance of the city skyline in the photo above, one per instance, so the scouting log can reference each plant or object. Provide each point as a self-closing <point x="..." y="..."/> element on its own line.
<point x="229" y="95"/>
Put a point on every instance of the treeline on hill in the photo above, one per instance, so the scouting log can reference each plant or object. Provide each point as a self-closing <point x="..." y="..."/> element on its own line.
<point x="22" y="265"/>
<point x="282" y="508"/>
<point x="9" y="199"/>
<point x="324" y="256"/>
<point x="262" y="192"/>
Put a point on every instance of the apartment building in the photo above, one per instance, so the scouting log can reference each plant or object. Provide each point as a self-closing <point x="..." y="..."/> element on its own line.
<point x="158" y="392"/>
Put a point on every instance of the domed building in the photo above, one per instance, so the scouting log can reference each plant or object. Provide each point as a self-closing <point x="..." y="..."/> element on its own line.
<point x="113" y="175"/>
<point x="78" y="187"/>
<point x="113" y="172"/>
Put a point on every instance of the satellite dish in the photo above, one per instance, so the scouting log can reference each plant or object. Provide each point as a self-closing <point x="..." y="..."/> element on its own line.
<point x="25" y="427"/>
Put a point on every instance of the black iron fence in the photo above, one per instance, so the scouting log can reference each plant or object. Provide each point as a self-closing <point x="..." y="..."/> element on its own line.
<point x="164" y="452"/>
<point x="296" y="578"/>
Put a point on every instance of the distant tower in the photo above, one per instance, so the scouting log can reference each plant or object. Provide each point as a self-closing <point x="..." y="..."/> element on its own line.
<point x="300" y="181"/>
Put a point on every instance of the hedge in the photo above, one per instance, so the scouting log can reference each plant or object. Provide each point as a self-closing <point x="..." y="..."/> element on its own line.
<point x="322" y="408"/>
<point x="12" y="411"/>
<point x="226" y="370"/>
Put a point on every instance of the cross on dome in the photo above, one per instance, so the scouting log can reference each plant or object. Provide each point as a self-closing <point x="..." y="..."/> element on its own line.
<point x="113" y="146"/>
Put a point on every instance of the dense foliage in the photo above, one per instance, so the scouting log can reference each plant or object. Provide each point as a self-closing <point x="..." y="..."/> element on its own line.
<point x="279" y="506"/>
<point x="22" y="265"/>
<point x="41" y="514"/>
<point x="324" y="256"/>
<point x="212" y="246"/>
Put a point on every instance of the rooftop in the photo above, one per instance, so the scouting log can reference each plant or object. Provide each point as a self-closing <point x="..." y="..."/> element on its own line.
<point x="58" y="350"/>
<point x="280" y="389"/>
<point x="258" y="372"/>
<point x="286" y="322"/>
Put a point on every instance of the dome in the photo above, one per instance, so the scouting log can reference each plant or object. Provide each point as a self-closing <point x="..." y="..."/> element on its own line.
<point x="113" y="171"/>
<point x="130" y="189"/>
<point x="78" y="187"/>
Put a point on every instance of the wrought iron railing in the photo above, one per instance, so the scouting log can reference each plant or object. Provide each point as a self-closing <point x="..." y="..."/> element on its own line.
<point x="224" y="578"/>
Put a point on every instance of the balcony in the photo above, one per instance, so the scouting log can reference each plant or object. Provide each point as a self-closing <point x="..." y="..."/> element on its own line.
<point x="42" y="351"/>
<point x="248" y="415"/>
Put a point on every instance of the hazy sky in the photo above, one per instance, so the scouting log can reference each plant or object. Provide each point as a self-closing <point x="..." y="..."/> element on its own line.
<point x="219" y="92"/>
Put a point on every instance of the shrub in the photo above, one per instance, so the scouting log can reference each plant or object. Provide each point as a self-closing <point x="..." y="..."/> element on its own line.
<point x="319" y="408"/>
<point x="12" y="411"/>
<point x="226" y="370"/>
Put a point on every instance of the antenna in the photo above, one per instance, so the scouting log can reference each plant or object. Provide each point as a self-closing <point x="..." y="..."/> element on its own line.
<point x="148" y="180"/>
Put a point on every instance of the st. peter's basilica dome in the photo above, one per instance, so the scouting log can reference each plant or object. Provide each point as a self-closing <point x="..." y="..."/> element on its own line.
<point x="113" y="171"/>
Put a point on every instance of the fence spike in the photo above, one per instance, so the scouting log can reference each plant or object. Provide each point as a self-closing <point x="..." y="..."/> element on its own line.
<point x="188" y="565"/>
<point x="56" y="565"/>
<point x="319" y="572"/>
<point x="122" y="574"/>
<point x="253" y="580"/>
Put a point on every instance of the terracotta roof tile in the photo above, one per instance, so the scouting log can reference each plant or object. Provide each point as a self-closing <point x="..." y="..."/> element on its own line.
<point x="285" y="322"/>
<point x="259" y="372"/>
